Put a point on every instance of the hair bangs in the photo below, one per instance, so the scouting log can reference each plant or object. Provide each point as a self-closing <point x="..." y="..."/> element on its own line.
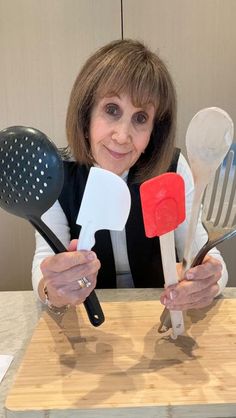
<point x="141" y="84"/>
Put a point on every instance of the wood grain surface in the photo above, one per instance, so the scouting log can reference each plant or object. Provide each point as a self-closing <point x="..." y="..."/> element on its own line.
<point x="125" y="367"/>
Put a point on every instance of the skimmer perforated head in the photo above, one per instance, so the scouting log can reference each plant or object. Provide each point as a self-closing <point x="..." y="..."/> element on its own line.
<point x="31" y="179"/>
<point x="31" y="173"/>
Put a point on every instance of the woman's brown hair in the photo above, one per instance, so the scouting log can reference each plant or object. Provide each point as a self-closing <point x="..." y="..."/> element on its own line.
<point x="125" y="66"/>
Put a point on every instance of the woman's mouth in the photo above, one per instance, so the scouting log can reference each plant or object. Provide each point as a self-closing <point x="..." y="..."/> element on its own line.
<point x="116" y="155"/>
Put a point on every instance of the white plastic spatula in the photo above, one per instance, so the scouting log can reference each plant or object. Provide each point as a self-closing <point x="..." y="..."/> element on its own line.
<point x="105" y="205"/>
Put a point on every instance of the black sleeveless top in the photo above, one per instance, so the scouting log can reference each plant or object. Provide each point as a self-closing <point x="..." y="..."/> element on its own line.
<point x="143" y="253"/>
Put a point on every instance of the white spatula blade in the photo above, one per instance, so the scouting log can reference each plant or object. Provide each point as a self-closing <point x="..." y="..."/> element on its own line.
<point x="105" y="205"/>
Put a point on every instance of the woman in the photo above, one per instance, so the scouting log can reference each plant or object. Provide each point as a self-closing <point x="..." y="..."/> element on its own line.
<point x="121" y="117"/>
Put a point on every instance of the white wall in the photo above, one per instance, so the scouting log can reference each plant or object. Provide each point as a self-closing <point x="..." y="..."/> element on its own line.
<point x="43" y="44"/>
<point x="197" y="40"/>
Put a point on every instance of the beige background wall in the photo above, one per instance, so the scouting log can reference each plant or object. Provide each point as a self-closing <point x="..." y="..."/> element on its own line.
<point x="43" y="43"/>
<point x="197" y="39"/>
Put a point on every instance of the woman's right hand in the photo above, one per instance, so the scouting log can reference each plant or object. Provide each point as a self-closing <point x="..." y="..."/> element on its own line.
<point x="61" y="273"/>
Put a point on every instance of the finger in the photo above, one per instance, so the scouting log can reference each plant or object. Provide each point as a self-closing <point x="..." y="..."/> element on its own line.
<point x="69" y="297"/>
<point x="197" y="305"/>
<point x="76" y="284"/>
<point x="74" y="294"/>
<point x="193" y="300"/>
<point x="73" y="245"/>
<point x="79" y="297"/>
<point x="210" y="266"/>
<point x="70" y="293"/>
<point x="65" y="261"/>
<point x="185" y="288"/>
<point x="73" y="274"/>
<point x="188" y="290"/>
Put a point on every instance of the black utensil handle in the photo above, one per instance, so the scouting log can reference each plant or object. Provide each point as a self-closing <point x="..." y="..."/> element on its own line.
<point x="94" y="310"/>
<point x="91" y="303"/>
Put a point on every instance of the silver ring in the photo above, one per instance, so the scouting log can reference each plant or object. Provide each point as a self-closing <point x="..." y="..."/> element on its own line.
<point x="83" y="283"/>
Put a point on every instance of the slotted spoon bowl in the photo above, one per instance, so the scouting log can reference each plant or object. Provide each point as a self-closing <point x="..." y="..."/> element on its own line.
<point x="31" y="179"/>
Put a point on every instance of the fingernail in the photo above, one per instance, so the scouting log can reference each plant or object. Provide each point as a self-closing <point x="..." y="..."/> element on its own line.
<point x="173" y="294"/>
<point x="189" y="276"/>
<point x="90" y="256"/>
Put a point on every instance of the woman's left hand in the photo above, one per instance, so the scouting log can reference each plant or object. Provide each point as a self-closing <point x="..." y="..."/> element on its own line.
<point x="197" y="289"/>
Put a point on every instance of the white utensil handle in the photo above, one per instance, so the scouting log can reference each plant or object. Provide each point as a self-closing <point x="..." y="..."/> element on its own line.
<point x="177" y="322"/>
<point x="168" y="256"/>
<point x="191" y="231"/>
<point x="86" y="237"/>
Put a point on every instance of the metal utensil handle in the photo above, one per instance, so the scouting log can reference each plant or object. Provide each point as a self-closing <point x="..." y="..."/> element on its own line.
<point x="209" y="245"/>
<point x="91" y="303"/>
<point x="165" y="321"/>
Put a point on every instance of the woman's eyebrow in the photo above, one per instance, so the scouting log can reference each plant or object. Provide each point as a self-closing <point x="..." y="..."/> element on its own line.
<point x="110" y="95"/>
<point x="147" y="107"/>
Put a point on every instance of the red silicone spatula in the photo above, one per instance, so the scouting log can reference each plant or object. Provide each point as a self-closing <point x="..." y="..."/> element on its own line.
<point x="163" y="206"/>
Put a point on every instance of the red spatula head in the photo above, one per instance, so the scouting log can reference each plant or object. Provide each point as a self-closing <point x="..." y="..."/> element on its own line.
<point x="163" y="204"/>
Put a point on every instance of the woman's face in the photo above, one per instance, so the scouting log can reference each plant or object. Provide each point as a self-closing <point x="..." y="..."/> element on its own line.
<point x="119" y="132"/>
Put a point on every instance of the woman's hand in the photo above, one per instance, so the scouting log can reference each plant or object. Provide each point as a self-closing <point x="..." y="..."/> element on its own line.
<point x="61" y="273"/>
<point x="197" y="289"/>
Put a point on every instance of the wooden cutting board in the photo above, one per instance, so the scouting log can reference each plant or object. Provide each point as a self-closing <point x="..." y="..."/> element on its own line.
<point x="125" y="368"/>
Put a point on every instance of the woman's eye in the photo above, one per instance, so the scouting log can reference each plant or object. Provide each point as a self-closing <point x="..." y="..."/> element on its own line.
<point x="140" y="118"/>
<point x="112" y="109"/>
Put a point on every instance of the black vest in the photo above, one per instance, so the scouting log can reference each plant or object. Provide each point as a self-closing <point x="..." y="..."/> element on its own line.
<point x="143" y="253"/>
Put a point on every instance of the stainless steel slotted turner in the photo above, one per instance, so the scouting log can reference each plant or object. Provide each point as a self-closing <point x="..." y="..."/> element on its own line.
<point x="31" y="179"/>
<point x="218" y="215"/>
<point x="219" y="207"/>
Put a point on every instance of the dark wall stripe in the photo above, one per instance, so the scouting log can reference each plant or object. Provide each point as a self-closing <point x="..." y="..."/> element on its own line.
<point x="122" y="19"/>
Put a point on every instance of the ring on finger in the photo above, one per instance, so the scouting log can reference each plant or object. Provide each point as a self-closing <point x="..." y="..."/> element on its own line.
<point x="84" y="282"/>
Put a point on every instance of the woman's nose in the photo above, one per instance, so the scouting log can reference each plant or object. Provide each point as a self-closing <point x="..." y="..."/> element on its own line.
<point x="122" y="133"/>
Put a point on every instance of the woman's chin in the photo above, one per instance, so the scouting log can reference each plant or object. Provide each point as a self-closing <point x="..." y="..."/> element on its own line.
<point x="115" y="167"/>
